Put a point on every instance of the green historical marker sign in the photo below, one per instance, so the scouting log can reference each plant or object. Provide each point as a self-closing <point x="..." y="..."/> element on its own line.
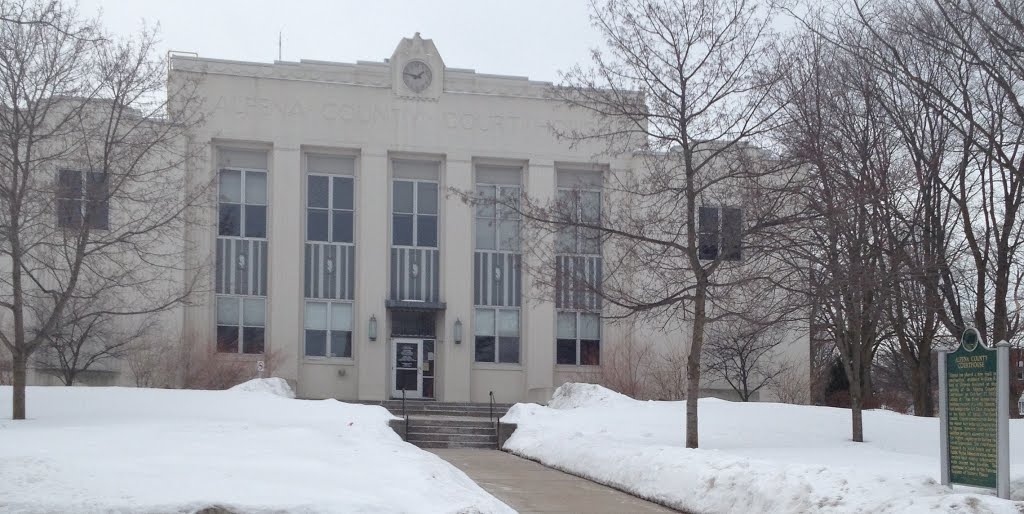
<point x="973" y="421"/>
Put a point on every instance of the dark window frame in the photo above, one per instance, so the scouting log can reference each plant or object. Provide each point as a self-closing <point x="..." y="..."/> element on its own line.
<point x="331" y="209"/>
<point x="578" y="341"/>
<point x="330" y="331"/>
<point x="240" y="326"/>
<point x="720" y="233"/>
<point x="416" y="215"/>
<point x="496" y="337"/>
<point x="89" y="211"/>
<point x="577" y="217"/>
<point x="244" y="202"/>
<point x="496" y="217"/>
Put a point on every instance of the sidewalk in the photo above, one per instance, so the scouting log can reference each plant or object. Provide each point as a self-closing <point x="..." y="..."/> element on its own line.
<point x="531" y="488"/>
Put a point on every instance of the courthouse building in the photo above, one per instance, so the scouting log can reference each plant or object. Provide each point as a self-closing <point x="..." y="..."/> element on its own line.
<point x="339" y="253"/>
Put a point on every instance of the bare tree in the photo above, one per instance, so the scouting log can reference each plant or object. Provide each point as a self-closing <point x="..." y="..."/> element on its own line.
<point x="682" y="87"/>
<point x="82" y="343"/>
<point x="92" y="192"/>
<point x="743" y="355"/>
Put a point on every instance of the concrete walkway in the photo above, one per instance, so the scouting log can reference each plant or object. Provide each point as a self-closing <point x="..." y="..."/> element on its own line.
<point x="532" y="488"/>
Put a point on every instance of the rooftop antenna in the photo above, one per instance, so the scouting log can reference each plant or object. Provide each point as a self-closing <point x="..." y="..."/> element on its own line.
<point x="279" y="44"/>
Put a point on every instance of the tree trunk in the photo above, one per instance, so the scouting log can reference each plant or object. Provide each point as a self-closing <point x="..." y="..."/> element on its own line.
<point x="20" y="363"/>
<point x="693" y="366"/>
<point x="857" y="402"/>
<point x="921" y="376"/>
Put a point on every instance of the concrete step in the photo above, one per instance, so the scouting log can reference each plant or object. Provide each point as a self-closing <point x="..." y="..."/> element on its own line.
<point x="458" y="429"/>
<point x="453" y="444"/>
<point x="415" y="437"/>
<point x="443" y="421"/>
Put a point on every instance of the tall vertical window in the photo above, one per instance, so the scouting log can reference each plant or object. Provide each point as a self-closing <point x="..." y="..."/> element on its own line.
<point x="414" y="213"/>
<point x="719" y="233"/>
<point x="82" y="199"/>
<point x="496" y="262"/>
<point x="241" y="324"/>
<point x="241" y="251"/>
<point x="242" y="203"/>
<point x="329" y="212"/>
<point x="578" y="268"/>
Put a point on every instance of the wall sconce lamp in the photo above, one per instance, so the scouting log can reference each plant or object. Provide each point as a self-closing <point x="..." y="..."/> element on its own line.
<point x="373" y="327"/>
<point x="458" y="331"/>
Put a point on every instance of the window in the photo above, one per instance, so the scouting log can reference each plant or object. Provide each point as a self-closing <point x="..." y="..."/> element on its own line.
<point x="240" y="320"/>
<point x="719" y="230"/>
<point x="580" y="207"/>
<point x="328" y="329"/>
<point x="414" y="213"/>
<point x="578" y="338"/>
<point x="82" y="199"/>
<point x="242" y="203"/>
<point x="497" y="223"/>
<point x="329" y="211"/>
<point x="497" y="335"/>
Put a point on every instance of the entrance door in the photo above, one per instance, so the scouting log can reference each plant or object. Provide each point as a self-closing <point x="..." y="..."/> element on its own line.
<point x="408" y="372"/>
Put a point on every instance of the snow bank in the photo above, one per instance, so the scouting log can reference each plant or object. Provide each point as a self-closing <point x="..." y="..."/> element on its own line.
<point x="755" y="457"/>
<point x="575" y="395"/>
<point x="274" y="385"/>
<point x="87" y="450"/>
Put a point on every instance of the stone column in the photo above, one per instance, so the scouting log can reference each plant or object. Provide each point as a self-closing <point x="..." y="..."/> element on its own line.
<point x="372" y="259"/>
<point x="457" y="279"/>
<point x="539" y="316"/>
<point x="285" y="242"/>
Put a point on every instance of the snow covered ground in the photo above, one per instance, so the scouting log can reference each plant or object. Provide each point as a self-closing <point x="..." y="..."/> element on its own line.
<point x="755" y="457"/>
<point x="250" y="450"/>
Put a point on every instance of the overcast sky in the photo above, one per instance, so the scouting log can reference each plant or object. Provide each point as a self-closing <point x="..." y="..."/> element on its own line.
<point x="535" y="38"/>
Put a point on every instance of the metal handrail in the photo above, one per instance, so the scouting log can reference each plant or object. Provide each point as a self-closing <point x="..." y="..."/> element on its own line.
<point x="406" y="414"/>
<point x="495" y="423"/>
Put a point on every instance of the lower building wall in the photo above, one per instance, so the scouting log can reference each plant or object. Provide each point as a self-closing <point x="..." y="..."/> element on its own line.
<point x="328" y="380"/>
<point x="509" y="385"/>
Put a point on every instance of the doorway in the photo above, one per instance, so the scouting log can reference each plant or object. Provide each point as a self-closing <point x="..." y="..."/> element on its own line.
<point x="412" y="354"/>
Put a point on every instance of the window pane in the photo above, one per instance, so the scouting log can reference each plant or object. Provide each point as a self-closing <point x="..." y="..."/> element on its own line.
<point x="230" y="188"/>
<point x="401" y="229"/>
<point x="426" y="230"/>
<point x="485" y="198"/>
<point x="708" y="233"/>
<point x="227" y="339"/>
<point x="342" y="227"/>
<point x="508" y="323"/>
<point x="98" y="214"/>
<point x="255" y="221"/>
<point x="69" y="213"/>
<point x="485" y="348"/>
<point x="254" y="312"/>
<point x="341" y="344"/>
<point x="426" y="198"/>
<point x="316" y="343"/>
<point x="227" y="310"/>
<point x="230" y="220"/>
<point x="590" y="207"/>
<point x="565" y="240"/>
<point x="484" y="323"/>
<point x="485" y="237"/>
<point x="566" y="325"/>
<point x="69" y="184"/>
<point x="252" y="340"/>
<point x="590" y="241"/>
<point x="316" y="192"/>
<point x="316" y="224"/>
<point x="565" y="351"/>
<point x="731" y="233"/>
<point x="316" y="315"/>
<point x="590" y="326"/>
<point x="590" y="352"/>
<point x="508" y="348"/>
<point x="343" y="193"/>
<point x="402" y="196"/>
<point x="256" y="188"/>
<point x="341" y="316"/>
<point x="508" y="234"/>
<point x="509" y="205"/>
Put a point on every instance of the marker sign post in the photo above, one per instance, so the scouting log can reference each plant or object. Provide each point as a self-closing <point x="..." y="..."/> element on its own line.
<point x="973" y="399"/>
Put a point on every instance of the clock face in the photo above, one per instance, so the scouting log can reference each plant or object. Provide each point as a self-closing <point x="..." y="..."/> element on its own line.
<point x="417" y="76"/>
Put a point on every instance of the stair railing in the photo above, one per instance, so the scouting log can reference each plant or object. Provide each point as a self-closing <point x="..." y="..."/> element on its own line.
<point x="406" y="415"/>
<point x="495" y="423"/>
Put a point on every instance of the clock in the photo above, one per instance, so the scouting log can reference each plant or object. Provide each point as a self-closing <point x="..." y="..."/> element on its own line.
<point x="417" y="76"/>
